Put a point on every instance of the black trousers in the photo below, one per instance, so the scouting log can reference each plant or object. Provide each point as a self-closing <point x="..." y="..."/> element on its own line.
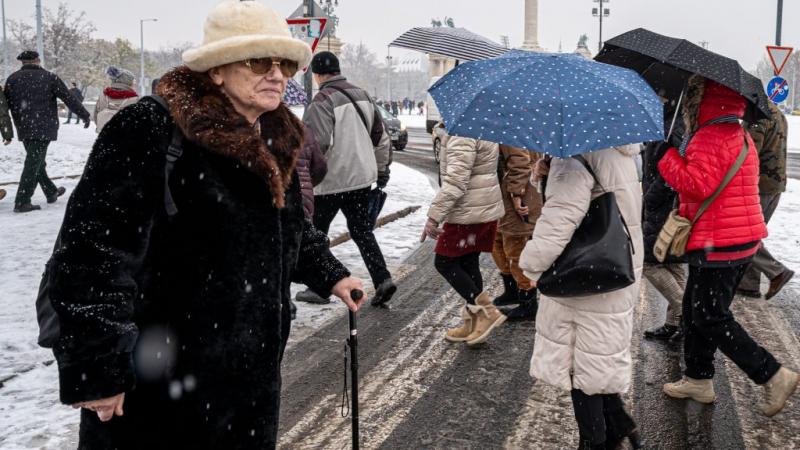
<point x="34" y="173"/>
<point x="601" y="417"/>
<point x="709" y="325"/>
<point x="353" y="205"/>
<point x="462" y="273"/>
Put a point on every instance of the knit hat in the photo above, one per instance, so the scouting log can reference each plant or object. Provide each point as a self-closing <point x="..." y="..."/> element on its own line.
<point x="237" y="30"/>
<point x="325" y="63"/>
<point x="120" y="78"/>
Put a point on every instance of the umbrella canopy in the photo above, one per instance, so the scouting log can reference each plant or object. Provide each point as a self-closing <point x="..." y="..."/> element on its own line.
<point x="458" y="43"/>
<point x="666" y="63"/>
<point x="294" y="94"/>
<point x="560" y="104"/>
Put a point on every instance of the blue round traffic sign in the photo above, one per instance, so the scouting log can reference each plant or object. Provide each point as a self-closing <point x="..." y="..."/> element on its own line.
<point x="778" y="89"/>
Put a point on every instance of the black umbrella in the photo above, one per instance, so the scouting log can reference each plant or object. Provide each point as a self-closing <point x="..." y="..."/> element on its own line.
<point x="375" y="202"/>
<point x="457" y="43"/>
<point x="666" y="63"/>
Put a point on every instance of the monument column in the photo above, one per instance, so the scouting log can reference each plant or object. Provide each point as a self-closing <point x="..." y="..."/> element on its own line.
<point x="531" y="26"/>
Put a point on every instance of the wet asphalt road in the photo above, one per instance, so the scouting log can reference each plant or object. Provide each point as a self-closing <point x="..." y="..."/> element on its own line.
<point x="419" y="391"/>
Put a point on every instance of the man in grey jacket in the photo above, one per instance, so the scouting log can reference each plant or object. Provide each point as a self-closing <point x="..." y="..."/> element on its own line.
<point x="351" y="135"/>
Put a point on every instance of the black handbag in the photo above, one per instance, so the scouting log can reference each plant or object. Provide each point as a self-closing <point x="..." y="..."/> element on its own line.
<point x="599" y="257"/>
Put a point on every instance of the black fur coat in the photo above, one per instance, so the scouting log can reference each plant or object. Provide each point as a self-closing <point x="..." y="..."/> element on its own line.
<point x="188" y="316"/>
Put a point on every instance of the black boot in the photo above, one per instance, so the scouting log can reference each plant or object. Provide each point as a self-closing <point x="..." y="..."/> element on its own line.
<point x="510" y="296"/>
<point x="292" y="310"/>
<point x="27" y="207"/>
<point x="384" y="293"/>
<point x="663" y="333"/>
<point x="527" y="309"/>
<point x="59" y="192"/>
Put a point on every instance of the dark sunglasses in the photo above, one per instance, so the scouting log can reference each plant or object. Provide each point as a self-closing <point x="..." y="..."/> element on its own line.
<point x="262" y="66"/>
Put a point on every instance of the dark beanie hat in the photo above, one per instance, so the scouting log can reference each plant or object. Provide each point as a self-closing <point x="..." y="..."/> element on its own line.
<point x="325" y="63"/>
<point x="28" y="55"/>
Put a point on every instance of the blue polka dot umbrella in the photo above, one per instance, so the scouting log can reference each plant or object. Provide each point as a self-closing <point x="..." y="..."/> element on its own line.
<point x="559" y="104"/>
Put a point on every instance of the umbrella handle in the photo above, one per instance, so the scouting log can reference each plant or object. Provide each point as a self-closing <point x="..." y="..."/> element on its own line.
<point x="675" y="116"/>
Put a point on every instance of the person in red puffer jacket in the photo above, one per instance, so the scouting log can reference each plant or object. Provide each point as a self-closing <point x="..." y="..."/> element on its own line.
<point x="720" y="246"/>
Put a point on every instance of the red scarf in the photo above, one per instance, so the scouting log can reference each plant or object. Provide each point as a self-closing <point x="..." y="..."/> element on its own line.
<point x="119" y="95"/>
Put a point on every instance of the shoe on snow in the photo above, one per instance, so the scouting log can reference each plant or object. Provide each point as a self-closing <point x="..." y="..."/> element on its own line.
<point x="510" y="291"/>
<point x="383" y="293"/>
<point x="309" y="296"/>
<point x="59" y="192"/>
<point x="527" y="309"/>
<point x="663" y="333"/>
<point x="777" y="283"/>
<point x="777" y="390"/>
<point x="698" y="390"/>
<point x="27" y="207"/>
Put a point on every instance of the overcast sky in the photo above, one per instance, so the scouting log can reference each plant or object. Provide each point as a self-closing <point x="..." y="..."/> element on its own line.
<point x="736" y="28"/>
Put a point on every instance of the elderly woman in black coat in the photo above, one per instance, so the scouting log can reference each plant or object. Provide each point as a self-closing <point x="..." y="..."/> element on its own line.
<point x="173" y="327"/>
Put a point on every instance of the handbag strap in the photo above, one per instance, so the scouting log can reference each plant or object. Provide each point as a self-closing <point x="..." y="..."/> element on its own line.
<point x="596" y="180"/>
<point x="589" y="168"/>
<point x="355" y="105"/>
<point x="728" y="177"/>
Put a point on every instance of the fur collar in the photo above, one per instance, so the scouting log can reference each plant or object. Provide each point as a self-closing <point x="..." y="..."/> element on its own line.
<point x="207" y="117"/>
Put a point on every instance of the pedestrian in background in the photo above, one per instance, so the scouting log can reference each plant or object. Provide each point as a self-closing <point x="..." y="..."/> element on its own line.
<point x="173" y="329"/>
<point x="467" y="208"/>
<point x="78" y="94"/>
<point x="668" y="277"/>
<point x="769" y="136"/>
<point x="350" y="134"/>
<point x="721" y="244"/>
<point x="119" y="94"/>
<point x="32" y="93"/>
<point x="583" y="343"/>
<point x="523" y="205"/>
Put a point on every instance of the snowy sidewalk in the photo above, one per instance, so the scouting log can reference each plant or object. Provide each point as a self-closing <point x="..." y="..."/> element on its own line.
<point x="30" y="413"/>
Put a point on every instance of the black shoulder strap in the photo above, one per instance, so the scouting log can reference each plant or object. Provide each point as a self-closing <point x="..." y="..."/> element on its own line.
<point x="589" y="168"/>
<point x="355" y="105"/>
<point x="173" y="151"/>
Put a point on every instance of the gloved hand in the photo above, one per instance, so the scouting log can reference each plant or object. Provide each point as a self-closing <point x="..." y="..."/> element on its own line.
<point x="383" y="179"/>
<point x="86" y="123"/>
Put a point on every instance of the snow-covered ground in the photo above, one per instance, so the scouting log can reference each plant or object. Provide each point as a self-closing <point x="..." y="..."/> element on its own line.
<point x="30" y="414"/>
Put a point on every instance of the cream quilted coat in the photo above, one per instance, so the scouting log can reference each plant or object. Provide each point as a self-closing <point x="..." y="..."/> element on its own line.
<point x="584" y="343"/>
<point x="470" y="192"/>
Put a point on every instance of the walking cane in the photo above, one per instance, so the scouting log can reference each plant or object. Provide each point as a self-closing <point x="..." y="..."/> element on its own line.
<point x="352" y="342"/>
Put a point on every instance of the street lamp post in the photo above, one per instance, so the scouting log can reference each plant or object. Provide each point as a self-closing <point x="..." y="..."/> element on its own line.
<point x="141" y="64"/>
<point x="39" y="35"/>
<point x="6" y="67"/>
<point x="388" y="76"/>
<point x="601" y="12"/>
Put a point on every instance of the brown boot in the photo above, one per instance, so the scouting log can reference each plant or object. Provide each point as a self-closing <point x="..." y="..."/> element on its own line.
<point x="488" y="318"/>
<point x="777" y="390"/>
<point x="460" y="334"/>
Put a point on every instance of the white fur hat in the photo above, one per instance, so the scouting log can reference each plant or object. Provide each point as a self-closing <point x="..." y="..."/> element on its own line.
<point x="237" y="30"/>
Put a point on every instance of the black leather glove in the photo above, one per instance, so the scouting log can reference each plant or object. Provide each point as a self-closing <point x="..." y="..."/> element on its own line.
<point x="383" y="179"/>
<point x="86" y="123"/>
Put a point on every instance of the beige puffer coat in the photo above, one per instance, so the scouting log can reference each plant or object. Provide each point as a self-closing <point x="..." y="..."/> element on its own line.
<point x="584" y="343"/>
<point x="108" y="107"/>
<point x="470" y="192"/>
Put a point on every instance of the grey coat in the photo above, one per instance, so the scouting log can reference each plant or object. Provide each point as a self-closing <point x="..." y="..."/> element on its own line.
<point x="356" y="154"/>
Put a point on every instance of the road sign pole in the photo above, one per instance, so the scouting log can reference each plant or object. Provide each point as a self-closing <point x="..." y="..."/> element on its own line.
<point x="307" y="78"/>
<point x="779" y="24"/>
